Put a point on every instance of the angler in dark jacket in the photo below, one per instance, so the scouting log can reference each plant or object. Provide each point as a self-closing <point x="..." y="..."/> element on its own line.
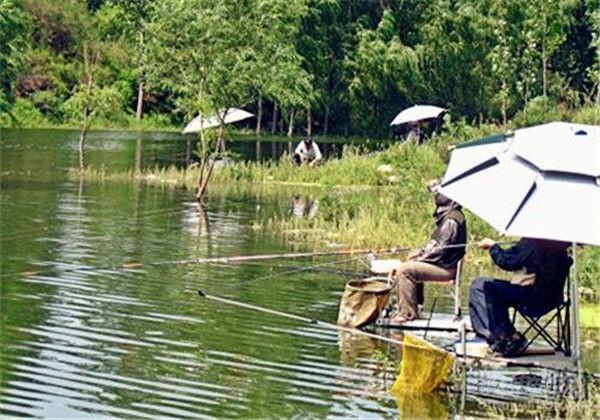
<point x="437" y="261"/>
<point x="541" y="268"/>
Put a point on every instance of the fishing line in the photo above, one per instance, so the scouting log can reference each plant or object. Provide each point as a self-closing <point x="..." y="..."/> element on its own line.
<point x="301" y="269"/>
<point x="242" y="258"/>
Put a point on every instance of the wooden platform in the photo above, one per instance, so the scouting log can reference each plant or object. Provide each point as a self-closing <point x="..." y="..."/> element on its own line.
<point x="439" y="322"/>
<point x="445" y="324"/>
<point x="534" y="356"/>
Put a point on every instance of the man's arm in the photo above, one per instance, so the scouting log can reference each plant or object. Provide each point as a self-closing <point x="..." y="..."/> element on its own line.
<point x="513" y="258"/>
<point x="318" y="155"/>
<point x="436" y="249"/>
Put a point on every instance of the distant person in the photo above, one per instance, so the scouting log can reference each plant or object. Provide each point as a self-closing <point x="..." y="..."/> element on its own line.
<point x="307" y="152"/>
<point x="540" y="268"/>
<point x="414" y="132"/>
<point x="437" y="261"/>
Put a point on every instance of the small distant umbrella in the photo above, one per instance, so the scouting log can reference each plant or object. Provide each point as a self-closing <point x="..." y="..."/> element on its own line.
<point x="417" y="113"/>
<point x="229" y="115"/>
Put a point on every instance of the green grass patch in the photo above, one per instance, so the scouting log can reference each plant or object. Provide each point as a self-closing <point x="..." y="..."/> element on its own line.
<point x="589" y="315"/>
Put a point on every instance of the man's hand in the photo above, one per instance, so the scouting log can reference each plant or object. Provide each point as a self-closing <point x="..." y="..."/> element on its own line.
<point x="414" y="254"/>
<point x="486" y="243"/>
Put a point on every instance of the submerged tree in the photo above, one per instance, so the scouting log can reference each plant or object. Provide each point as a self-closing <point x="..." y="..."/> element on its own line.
<point x="94" y="95"/>
<point x="228" y="51"/>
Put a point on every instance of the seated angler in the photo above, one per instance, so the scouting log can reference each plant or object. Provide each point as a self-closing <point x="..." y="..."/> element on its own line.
<point x="436" y="262"/>
<point x="540" y="269"/>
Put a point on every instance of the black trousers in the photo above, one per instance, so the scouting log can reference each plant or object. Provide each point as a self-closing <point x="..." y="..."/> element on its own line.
<point x="489" y="302"/>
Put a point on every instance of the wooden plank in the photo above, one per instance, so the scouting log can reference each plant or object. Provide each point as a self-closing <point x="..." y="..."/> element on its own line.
<point x="439" y="322"/>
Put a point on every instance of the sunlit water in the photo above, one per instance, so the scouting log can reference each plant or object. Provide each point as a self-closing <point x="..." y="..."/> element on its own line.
<point x="83" y="336"/>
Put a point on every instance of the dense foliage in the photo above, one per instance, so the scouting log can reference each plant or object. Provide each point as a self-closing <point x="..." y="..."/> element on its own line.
<point x="323" y="66"/>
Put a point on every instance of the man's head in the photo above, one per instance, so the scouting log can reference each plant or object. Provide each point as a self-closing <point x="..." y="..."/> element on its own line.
<point x="440" y="199"/>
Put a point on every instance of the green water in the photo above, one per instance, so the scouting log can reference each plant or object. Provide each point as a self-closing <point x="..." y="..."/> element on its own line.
<point x="82" y="336"/>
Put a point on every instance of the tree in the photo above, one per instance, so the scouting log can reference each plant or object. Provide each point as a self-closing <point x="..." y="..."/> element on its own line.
<point x="94" y="95"/>
<point x="385" y="76"/>
<point x="227" y="52"/>
<point x="138" y="12"/>
<point x="14" y="29"/>
<point x="593" y="8"/>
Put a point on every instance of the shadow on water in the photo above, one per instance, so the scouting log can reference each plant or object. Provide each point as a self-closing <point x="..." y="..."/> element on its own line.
<point x="85" y="336"/>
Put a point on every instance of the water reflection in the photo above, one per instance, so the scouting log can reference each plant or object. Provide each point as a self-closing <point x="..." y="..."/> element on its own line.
<point x="83" y="338"/>
<point x="354" y="347"/>
<point x="304" y="206"/>
<point x="428" y="406"/>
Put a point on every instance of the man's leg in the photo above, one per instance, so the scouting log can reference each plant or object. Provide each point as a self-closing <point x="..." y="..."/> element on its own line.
<point x="408" y="277"/>
<point x="478" y="312"/>
<point x="501" y="295"/>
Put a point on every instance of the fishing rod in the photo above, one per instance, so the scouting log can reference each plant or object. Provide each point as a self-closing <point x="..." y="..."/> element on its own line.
<point x="300" y="318"/>
<point x="245" y="258"/>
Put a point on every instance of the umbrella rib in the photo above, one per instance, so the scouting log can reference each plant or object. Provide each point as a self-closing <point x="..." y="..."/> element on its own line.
<point x="482" y="166"/>
<point x="525" y="199"/>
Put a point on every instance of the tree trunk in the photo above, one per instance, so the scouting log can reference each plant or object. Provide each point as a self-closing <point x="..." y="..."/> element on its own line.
<point x="308" y="122"/>
<point x="82" y="157"/>
<point x="259" y="115"/>
<point x="291" y="125"/>
<point x="138" y="156"/>
<point x="544" y="69"/>
<point x="258" y="150"/>
<point x="86" y="111"/>
<point x="140" y="98"/>
<point x="326" y="123"/>
<point x="188" y="151"/>
<point x="274" y="125"/>
<point x="204" y="180"/>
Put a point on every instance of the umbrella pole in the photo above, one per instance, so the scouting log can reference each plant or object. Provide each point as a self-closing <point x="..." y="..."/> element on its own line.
<point x="575" y="309"/>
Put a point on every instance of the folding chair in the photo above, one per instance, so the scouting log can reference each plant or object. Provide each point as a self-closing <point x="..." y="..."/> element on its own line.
<point x="386" y="266"/>
<point x="540" y="319"/>
<point x="455" y="291"/>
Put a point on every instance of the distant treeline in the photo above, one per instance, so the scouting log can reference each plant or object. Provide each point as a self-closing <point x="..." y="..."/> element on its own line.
<point x="321" y="66"/>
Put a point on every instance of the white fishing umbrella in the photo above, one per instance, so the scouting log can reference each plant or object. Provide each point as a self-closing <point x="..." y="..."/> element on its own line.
<point x="417" y="113"/>
<point x="541" y="182"/>
<point x="228" y="115"/>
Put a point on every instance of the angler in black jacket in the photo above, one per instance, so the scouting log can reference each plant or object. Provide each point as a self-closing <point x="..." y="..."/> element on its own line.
<point x="436" y="262"/>
<point x="541" y="268"/>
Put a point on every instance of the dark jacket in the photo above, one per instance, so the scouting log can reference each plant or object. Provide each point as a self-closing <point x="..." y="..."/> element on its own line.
<point x="549" y="261"/>
<point x="450" y="229"/>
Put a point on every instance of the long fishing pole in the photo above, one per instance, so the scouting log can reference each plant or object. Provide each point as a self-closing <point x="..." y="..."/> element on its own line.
<point x="224" y="260"/>
<point x="245" y="258"/>
<point x="300" y="318"/>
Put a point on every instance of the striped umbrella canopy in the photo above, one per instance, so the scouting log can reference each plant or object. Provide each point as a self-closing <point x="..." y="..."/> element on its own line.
<point x="417" y="113"/>
<point x="229" y="115"/>
<point x="540" y="182"/>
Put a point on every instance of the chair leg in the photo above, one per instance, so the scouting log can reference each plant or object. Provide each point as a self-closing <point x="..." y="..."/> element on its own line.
<point x="457" y="310"/>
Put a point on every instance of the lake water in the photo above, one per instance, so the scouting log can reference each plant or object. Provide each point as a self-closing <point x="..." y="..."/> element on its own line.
<point x="83" y="336"/>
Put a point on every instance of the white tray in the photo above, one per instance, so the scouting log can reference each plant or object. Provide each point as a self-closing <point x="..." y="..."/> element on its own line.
<point x="383" y="266"/>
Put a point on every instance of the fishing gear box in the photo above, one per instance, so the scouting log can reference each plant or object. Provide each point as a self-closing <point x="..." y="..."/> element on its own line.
<point x="363" y="301"/>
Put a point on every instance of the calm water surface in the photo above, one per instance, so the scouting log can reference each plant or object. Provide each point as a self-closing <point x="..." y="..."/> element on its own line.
<point x="82" y="336"/>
